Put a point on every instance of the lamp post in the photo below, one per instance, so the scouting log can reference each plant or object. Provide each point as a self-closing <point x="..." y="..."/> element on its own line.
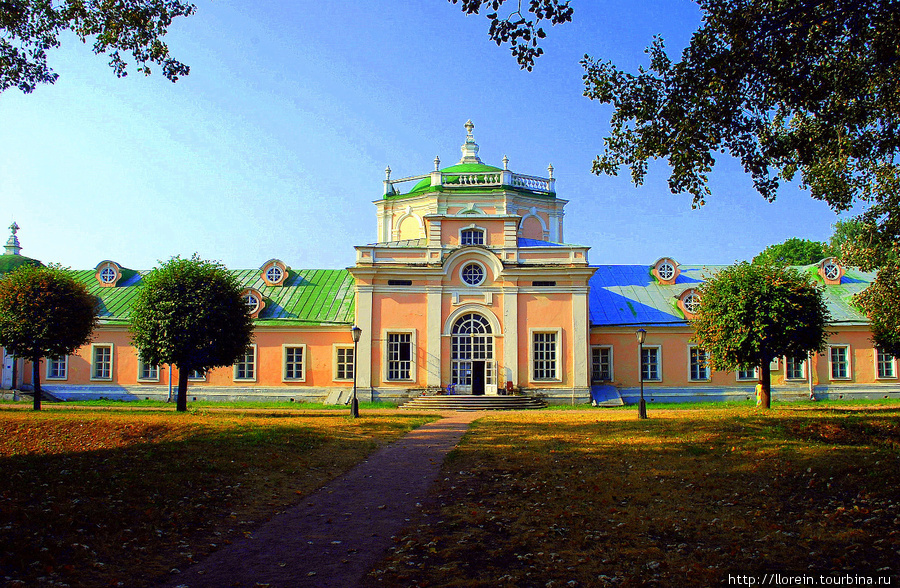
<point x="354" y="403"/>
<point x="642" y="407"/>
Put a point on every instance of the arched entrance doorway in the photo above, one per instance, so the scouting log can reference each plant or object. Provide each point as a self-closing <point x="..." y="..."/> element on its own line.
<point x="472" y="355"/>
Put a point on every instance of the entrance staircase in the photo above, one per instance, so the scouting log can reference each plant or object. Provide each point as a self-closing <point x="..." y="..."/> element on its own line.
<point x="472" y="402"/>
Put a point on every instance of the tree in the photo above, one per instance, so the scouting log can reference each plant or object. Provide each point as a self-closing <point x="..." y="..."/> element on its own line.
<point x="44" y="313"/>
<point x="28" y="29"/>
<point x="521" y="32"/>
<point x="190" y="313"/>
<point x="752" y="313"/>
<point x="794" y="251"/>
<point x="806" y="86"/>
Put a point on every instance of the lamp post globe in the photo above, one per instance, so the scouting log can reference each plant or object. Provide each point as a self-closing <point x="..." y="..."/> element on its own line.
<point x="641" y="335"/>
<point x="355" y="332"/>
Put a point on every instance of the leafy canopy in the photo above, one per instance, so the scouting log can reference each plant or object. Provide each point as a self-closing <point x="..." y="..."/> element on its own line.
<point x="808" y="87"/>
<point x="29" y="28"/>
<point x="794" y="251"/>
<point x="520" y="29"/>
<point x="190" y="313"/>
<point x="752" y="313"/>
<point x="44" y="313"/>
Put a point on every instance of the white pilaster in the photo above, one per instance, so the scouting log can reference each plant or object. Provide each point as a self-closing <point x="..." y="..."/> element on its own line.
<point x="580" y="340"/>
<point x="364" y="322"/>
<point x="433" y="336"/>
<point x="510" y="369"/>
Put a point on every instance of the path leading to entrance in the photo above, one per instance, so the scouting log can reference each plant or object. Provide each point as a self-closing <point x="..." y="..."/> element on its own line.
<point x="335" y="536"/>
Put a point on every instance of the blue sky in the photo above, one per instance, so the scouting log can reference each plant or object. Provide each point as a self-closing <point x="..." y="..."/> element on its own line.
<point x="275" y="145"/>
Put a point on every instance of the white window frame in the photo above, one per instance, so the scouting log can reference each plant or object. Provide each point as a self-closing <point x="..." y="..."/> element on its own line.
<point x="94" y="348"/>
<point x="702" y="369"/>
<point x="108" y="274"/>
<point x="253" y="363"/>
<point x="670" y="271"/>
<point x="891" y="362"/>
<point x="473" y="229"/>
<point x="64" y="361"/>
<point x="831" y="271"/>
<point x="140" y="371"/>
<point x="832" y="364"/>
<point x="412" y="355"/>
<point x="557" y="358"/>
<point x="336" y="348"/>
<point x="659" y="364"/>
<point x="753" y="370"/>
<point x="304" y="356"/>
<point x="787" y="364"/>
<point x="202" y="378"/>
<point x="462" y="269"/>
<point x="274" y="268"/>
<point x="256" y="300"/>
<point x="597" y="358"/>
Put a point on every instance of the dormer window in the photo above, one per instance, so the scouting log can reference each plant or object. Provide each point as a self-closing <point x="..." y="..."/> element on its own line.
<point x="471" y="237"/>
<point x="690" y="302"/>
<point x="108" y="273"/>
<point x="254" y="301"/>
<point x="274" y="272"/>
<point x="831" y="271"/>
<point x="666" y="270"/>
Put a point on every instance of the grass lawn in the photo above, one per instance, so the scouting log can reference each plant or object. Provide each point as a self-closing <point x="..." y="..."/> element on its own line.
<point x="598" y="498"/>
<point x="113" y="496"/>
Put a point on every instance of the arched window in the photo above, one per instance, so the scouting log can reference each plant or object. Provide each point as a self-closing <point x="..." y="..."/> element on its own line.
<point x="665" y="270"/>
<point x="831" y="270"/>
<point x="469" y="324"/>
<point x="691" y="303"/>
<point x="108" y="274"/>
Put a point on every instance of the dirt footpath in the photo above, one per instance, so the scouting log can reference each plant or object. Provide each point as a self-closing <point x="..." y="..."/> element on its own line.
<point x="335" y="536"/>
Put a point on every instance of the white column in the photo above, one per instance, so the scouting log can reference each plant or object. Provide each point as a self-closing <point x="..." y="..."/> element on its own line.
<point x="510" y="338"/>
<point x="433" y="336"/>
<point x="580" y="339"/>
<point x="364" y="322"/>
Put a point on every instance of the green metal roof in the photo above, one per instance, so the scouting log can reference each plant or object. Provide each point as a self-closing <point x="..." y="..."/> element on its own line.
<point x="10" y="262"/>
<point x="307" y="297"/>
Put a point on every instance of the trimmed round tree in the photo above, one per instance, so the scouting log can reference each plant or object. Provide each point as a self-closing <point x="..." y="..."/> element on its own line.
<point x="750" y="314"/>
<point x="44" y="313"/>
<point x="189" y="313"/>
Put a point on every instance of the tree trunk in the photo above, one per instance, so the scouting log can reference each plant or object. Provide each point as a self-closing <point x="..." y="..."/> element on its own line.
<point x="36" y="383"/>
<point x="765" y="379"/>
<point x="181" y="396"/>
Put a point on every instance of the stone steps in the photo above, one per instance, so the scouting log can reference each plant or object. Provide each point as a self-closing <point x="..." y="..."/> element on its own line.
<point x="472" y="402"/>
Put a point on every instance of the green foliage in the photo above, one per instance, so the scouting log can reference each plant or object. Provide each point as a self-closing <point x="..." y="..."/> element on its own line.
<point x="29" y="29"/>
<point x="189" y="313"/>
<point x="807" y="86"/>
<point x="44" y="313"/>
<point x="751" y="314"/>
<point x="794" y="251"/>
<point x="520" y="31"/>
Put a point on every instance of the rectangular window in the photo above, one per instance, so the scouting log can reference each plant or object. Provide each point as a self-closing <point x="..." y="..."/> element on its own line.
<point x="399" y="356"/>
<point x="343" y="363"/>
<point x="472" y="237"/>
<point x="196" y="375"/>
<point x="58" y="368"/>
<point x="699" y="366"/>
<point x="650" y="365"/>
<point x="601" y="364"/>
<point x="794" y="368"/>
<point x="295" y="362"/>
<point x="839" y="359"/>
<point x="887" y="365"/>
<point x="101" y="363"/>
<point x="147" y="371"/>
<point x="543" y="283"/>
<point x="748" y="373"/>
<point x="543" y="356"/>
<point x="245" y="368"/>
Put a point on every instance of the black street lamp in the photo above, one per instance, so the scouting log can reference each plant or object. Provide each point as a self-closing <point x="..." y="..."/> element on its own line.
<point x="642" y="407"/>
<point x="354" y="403"/>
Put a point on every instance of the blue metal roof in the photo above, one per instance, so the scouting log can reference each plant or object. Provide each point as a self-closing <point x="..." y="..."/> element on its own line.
<point x="629" y="295"/>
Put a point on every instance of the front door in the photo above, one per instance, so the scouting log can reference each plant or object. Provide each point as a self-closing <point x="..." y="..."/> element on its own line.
<point x="471" y="356"/>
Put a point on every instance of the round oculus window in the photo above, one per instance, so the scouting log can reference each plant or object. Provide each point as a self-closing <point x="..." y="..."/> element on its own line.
<point x="108" y="275"/>
<point x="691" y="303"/>
<point x="251" y="301"/>
<point x="274" y="274"/>
<point x="472" y="274"/>
<point x="832" y="271"/>
<point x="665" y="270"/>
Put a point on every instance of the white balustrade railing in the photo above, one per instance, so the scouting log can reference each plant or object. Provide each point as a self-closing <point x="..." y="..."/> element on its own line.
<point x="485" y="179"/>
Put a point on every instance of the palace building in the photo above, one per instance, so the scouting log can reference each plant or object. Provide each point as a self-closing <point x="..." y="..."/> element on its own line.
<point x="469" y="287"/>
